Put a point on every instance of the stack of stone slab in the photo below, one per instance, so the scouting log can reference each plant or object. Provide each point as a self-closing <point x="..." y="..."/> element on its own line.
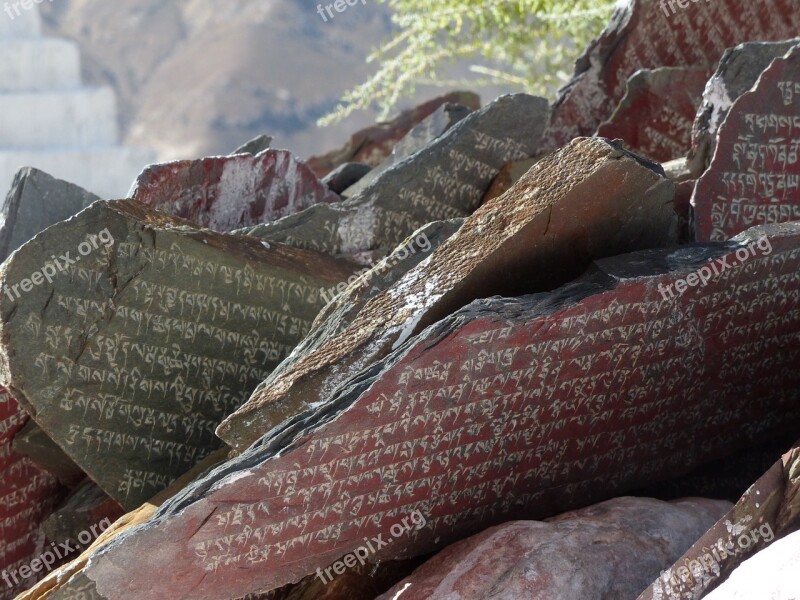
<point x="49" y="120"/>
<point x="455" y="346"/>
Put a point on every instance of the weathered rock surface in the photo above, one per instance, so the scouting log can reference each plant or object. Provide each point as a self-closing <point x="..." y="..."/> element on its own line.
<point x="130" y="348"/>
<point x="648" y="34"/>
<point x="507" y="177"/>
<point x="255" y="146"/>
<point x="768" y="510"/>
<point x="86" y="509"/>
<point x="34" y="443"/>
<point x="445" y="180"/>
<point x="772" y="574"/>
<point x="373" y="144"/>
<point x="35" y="202"/>
<point x="229" y="192"/>
<point x="345" y="176"/>
<point x="527" y="240"/>
<point x="656" y="114"/>
<point x="27" y="496"/>
<point x="737" y="73"/>
<point x="530" y="405"/>
<point x="442" y="119"/>
<point x="754" y="177"/>
<point x="610" y="550"/>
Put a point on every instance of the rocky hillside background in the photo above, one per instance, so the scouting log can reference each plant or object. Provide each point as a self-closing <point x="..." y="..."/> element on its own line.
<point x="197" y="78"/>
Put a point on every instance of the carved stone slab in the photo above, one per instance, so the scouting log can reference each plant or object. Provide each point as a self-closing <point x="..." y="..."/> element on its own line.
<point x="526" y="240"/>
<point x="656" y="115"/>
<point x="647" y="34"/>
<point x="444" y="180"/>
<point x="36" y="201"/>
<point x="229" y="192"/>
<point x="27" y="496"/>
<point x="509" y="407"/>
<point x="737" y="73"/>
<point x="768" y="510"/>
<point x="754" y="177"/>
<point x="130" y="348"/>
<point x="373" y="144"/>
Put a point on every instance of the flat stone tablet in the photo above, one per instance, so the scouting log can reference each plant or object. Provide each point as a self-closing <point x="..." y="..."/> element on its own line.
<point x="656" y="114"/>
<point x="35" y="202"/>
<point x="445" y="180"/>
<point x="128" y="335"/>
<point x="526" y="240"/>
<point x="754" y="177"/>
<point x="230" y="192"/>
<point x="649" y="366"/>
<point x="647" y="34"/>
<point x="28" y="495"/>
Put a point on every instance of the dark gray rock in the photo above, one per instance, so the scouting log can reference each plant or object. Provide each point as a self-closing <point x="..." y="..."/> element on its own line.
<point x="131" y="355"/>
<point x="445" y="180"/>
<point x="255" y="146"/>
<point x="35" y="202"/>
<point x="423" y="134"/>
<point x="345" y="176"/>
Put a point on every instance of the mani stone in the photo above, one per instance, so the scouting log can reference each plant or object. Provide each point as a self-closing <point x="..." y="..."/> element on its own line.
<point x="737" y="73"/>
<point x="647" y="34"/>
<point x="27" y="496"/>
<point x="344" y="176"/>
<point x="754" y="177"/>
<point x="145" y="332"/>
<point x="36" y="201"/>
<point x="509" y="408"/>
<point x="442" y="119"/>
<point x="768" y="510"/>
<point x="445" y="180"/>
<point x="373" y="144"/>
<point x="255" y="146"/>
<point x="225" y="193"/>
<point x="588" y="200"/>
<point x="623" y="544"/>
<point x="656" y="115"/>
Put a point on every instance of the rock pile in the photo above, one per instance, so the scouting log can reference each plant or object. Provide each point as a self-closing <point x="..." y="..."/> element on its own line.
<point x="305" y="380"/>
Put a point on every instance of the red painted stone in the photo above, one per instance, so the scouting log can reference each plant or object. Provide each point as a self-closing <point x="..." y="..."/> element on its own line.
<point x="647" y="34"/>
<point x="754" y="177"/>
<point x="509" y="408"/>
<point x="657" y="113"/>
<point x="230" y="192"/>
<point x="27" y="496"/>
<point x="375" y="143"/>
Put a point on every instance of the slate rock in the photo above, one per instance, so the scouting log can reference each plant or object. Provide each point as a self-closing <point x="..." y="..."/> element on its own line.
<point x="35" y="202"/>
<point x="772" y="574"/>
<point x="507" y="177"/>
<point x="343" y="176"/>
<point x="768" y="510"/>
<point x="27" y="496"/>
<point x="510" y="407"/>
<point x="229" y="192"/>
<point x="647" y="34"/>
<point x="255" y="146"/>
<point x="373" y="144"/>
<point x="527" y="240"/>
<point x="445" y="180"/>
<point x="754" y="177"/>
<point x="610" y="550"/>
<point x="442" y="119"/>
<point x="656" y="114"/>
<point x="34" y="443"/>
<point x="130" y="356"/>
<point x="737" y="73"/>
